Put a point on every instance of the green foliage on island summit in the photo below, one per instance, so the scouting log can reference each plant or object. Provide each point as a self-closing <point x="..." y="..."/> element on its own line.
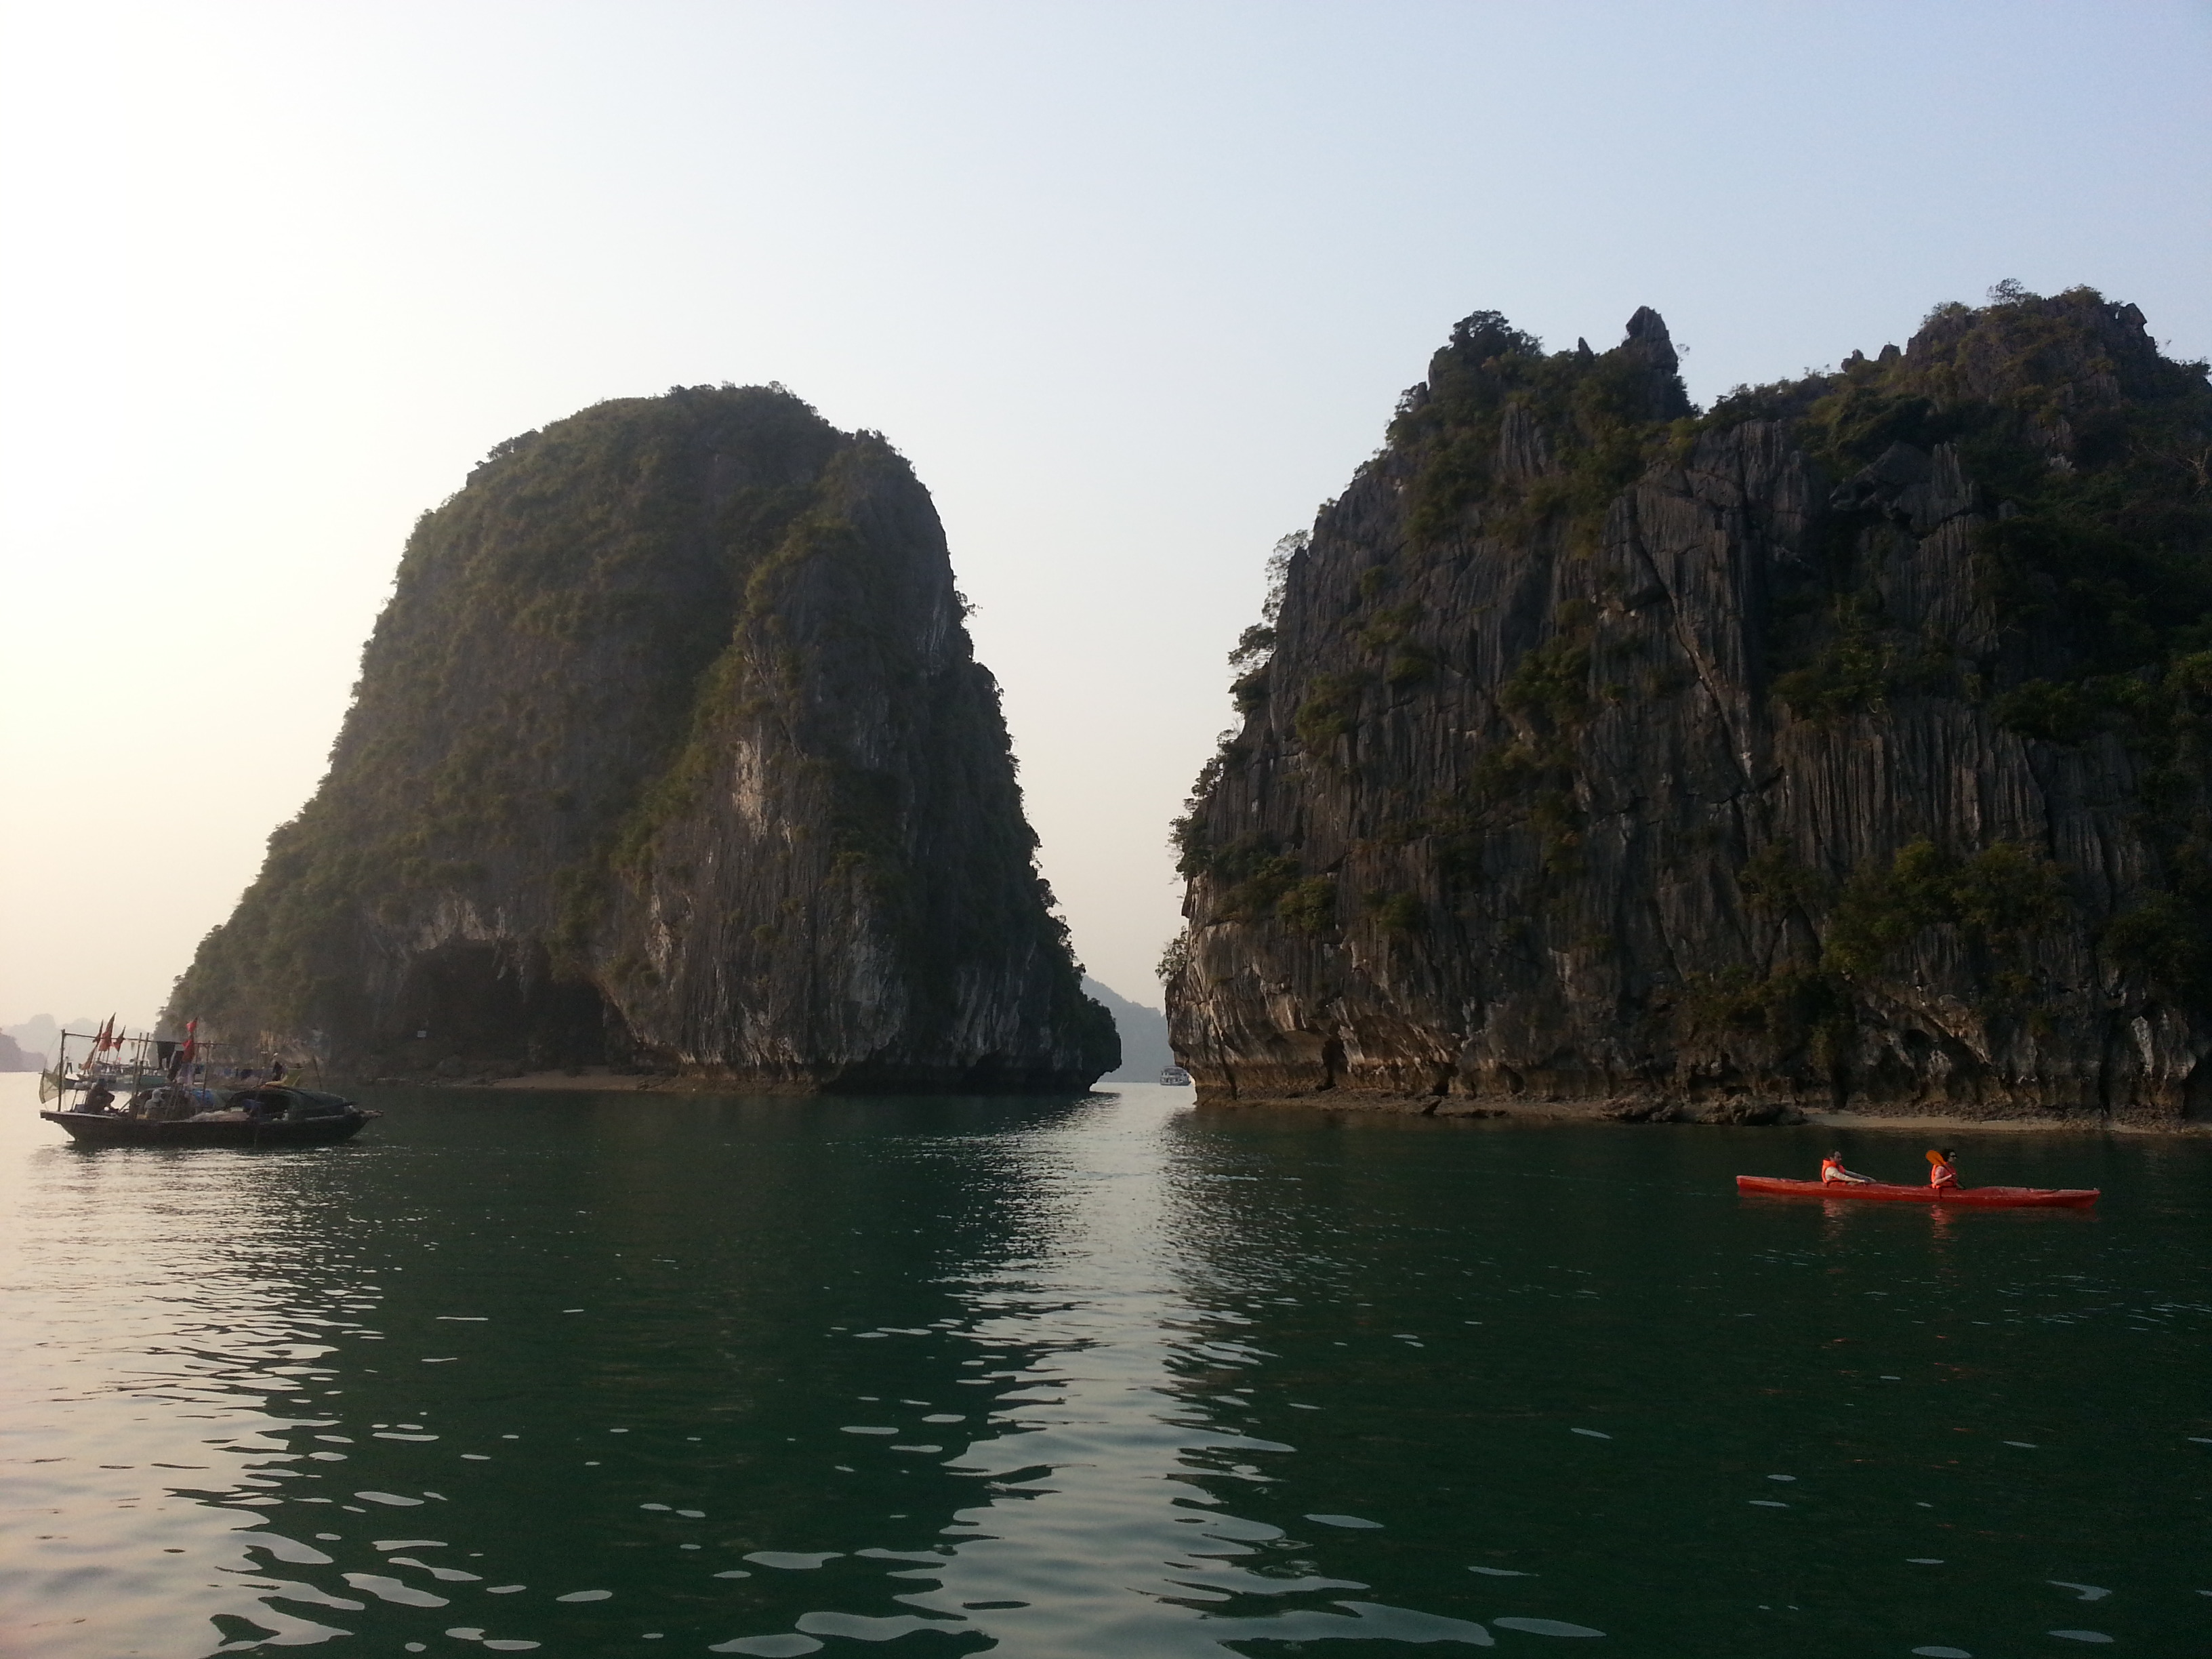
<point x="2093" y="456"/>
<point x="1594" y="422"/>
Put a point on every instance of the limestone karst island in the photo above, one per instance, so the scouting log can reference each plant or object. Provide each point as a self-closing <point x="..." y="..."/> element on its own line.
<point x="1841" y="746"/>
<point x="669" y="754"/>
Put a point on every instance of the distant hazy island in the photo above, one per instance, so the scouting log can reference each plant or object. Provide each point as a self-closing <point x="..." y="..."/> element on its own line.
<point x="38" y="1040"/>
<point x="1143" y="1033"/>
<point x="1842" y="745"/>
<point x="670" y="754"/>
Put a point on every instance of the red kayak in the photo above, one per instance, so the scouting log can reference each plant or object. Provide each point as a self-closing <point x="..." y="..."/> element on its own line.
<point x="1983" y="1198"/>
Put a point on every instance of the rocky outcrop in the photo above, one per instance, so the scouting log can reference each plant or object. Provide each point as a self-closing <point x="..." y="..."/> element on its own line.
<point x="1841" y="747"/>
<point x="669" y="753"/>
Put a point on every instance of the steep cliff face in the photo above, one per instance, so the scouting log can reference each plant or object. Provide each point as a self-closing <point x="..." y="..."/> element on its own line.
<point x="670" y="750"/>
<point x="1843" y="746"/>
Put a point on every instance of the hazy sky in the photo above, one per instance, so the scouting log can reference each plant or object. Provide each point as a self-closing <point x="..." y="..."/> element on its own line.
<point x="1133" y="286"/>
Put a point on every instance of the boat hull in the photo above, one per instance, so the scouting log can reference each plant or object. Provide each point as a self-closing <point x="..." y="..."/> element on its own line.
<point x="113" y="1129"/>
<point x="1965" y="1198"/>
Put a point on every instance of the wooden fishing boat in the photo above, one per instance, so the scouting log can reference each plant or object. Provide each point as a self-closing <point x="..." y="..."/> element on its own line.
<point x="1972" y="1197"/>
<point x="265" y="1117"/>
<point x="143" y="1091"/>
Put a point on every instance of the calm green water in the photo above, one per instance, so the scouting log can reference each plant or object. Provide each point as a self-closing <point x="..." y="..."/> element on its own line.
<point x="596" y="1375"/>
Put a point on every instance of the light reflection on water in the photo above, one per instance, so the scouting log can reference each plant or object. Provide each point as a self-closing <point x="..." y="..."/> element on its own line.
<point x="1107" y="1454"/>
<point x="587" y="1375"/>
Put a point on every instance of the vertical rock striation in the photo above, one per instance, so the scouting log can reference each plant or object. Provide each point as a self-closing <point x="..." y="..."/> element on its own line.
<point x="1844" y="746"/>
<point x="670" y="751"/>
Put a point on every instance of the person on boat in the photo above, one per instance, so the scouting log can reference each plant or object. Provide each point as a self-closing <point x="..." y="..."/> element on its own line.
<point x="171" y="1104"/>
<point x="102" y="1097"/>
<point x="1833" y="1170"/>
<point x="1941" y="1174"/>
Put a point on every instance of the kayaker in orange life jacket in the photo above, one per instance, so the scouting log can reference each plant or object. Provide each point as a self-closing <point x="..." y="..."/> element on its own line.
<point x="1833" y="1169"/>
<point x="1940" y="1172"/>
